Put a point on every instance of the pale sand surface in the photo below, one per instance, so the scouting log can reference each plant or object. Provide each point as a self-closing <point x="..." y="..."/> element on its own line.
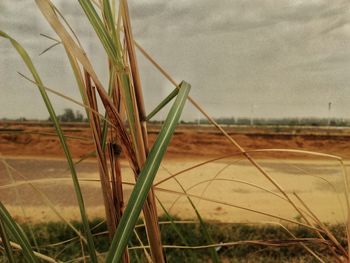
<point x="318" y="182"/>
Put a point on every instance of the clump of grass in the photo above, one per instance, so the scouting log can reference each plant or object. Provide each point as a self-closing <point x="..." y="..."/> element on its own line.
<point x="59" y="241"/>
<point x="122" y="124"/>
<point x="125" y="95"/>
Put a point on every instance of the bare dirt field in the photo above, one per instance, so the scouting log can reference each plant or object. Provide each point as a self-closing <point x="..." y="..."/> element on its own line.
<point x="33" y="139"/>
<point x="32" y="153"/>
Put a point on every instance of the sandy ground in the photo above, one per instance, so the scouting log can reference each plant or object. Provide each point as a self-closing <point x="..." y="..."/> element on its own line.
<point x="318" y="182"/>
<point x="34" y="154"/>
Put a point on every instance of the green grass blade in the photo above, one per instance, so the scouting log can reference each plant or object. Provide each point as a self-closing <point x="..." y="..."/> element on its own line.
<point x="85" y="156"/>
<point x="44" y="199"/>
<point x="49" y="37"/>
<point x="79" y="79"/>
<point x="101" y="31"/>
<point x="113" y="50"/>
<point x="146" y="177"/>
<point x="109" y="18"/>
<point x="6" y="243"/>
<point x="49" y="48"/>
<point x="66" y="22"/>
<point x="18" y="234"/>
<point x="27" y="60"/>
<point x="136" y="256"/>
<point x="19" y="200"/>
<point x="48" y="10"/>
<point x="163" y="103"/>
<point x="170" y="218"/>
<point x="130" y="109"/>
<point x="111" y="84"/>
<point x="214" y="254"/>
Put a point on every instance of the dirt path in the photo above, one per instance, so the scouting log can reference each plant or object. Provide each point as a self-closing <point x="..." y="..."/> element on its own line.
<point x="318" y="182"/>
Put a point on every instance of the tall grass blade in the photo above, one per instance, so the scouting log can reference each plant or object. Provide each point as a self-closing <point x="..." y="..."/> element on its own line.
<point x="27" y="60"/>
<point x="136" y="256"/>
<point x="49" y="37"/>
<point x="49" y="48"/>
<point x="66" y="22"/>
<point x="235" y="206"/>
<point x="18" y="234"/>
<point x="147" y="255"/>
<point x="6" y="242"/>
<point x="171" y="220"/>
<point x="48" y="10"/>
<point x="213" y="252"/>
<point x="113" y="51"/>
<point x="141" y="138"/>
<point x="129" y="100"/>
<point x="109" y="18"/>
<point x="135" y="73"/>
<point x="235" y="143"/>
<point x="46" y="7"/>
<point x="132" y="98"/>
<point x="145" y="180"/>
<point x="111" y="92"/>
<point x="163" y="104"/>
<point x="20" y="201"/>
<point x="95" y="126"/>
<point x="79" y="79"/>
<point x="101" y="31"/>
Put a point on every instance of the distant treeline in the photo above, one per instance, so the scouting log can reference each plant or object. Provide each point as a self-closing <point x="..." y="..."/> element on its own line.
<point x="334" y="122"/>
<point x="281" y="121"/>
<point x="69" y="115"/>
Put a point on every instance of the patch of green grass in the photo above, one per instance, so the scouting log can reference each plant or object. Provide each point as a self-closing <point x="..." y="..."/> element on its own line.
<point x="54" y="233"/>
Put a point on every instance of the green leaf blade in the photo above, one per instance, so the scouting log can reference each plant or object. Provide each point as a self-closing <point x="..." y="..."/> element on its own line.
<point x="27" y="60"/>
<point x="18" y="234"/>
<point x="6" y="242"/>
<point x="146" y="177"/>
<point x="163" y="104"/>
<point x="100" y="30"/>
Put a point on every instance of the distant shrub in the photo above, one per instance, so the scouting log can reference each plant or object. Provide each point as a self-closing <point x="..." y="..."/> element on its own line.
<point x="70" y="116"/>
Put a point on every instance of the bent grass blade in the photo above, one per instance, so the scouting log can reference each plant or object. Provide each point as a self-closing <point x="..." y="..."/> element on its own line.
<point x="146" y="177"/>
<point x="6" y="242"/>
<point x="27" y="60"/>
<point x="18" y="234"/>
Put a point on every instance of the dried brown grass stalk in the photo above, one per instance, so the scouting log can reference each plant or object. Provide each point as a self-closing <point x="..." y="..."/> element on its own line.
<point x="334" y="244"/>
<point x="113" y="151"/>
<point x="150" y="209"/>
<point x="246" y="153"/>
<point x="102" y="163"/>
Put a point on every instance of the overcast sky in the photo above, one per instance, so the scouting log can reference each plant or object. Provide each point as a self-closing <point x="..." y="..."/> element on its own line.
<point x="261" y="58"/>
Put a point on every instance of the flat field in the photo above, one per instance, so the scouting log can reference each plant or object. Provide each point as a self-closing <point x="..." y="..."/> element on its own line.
<point x="193" y="141"/>
<point x="231" y="186"/>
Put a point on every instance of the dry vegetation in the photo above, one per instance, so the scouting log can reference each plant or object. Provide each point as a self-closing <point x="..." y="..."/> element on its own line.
<point x="143" y="175"/>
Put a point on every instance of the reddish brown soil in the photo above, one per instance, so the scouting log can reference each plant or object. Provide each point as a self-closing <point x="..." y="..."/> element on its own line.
<point x="40" y="140"/>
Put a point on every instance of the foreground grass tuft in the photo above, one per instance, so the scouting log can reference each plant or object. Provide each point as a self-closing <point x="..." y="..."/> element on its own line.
<point x="60" y="242"/>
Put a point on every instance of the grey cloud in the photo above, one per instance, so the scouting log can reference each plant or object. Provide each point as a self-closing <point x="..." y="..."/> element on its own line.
<point x="206" y="16"/>
<point x="243" y="16"/>
<point x="279" y="55"/>
<point x="331" y="62"/>
<point x="335" y="25"/>
<point x="144" y="9"/>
